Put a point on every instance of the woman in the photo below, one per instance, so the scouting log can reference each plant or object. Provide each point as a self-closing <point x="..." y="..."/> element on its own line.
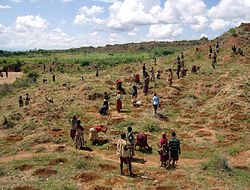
<point x="145" y="85"/>
<point x="163" y="150"/>
<point x="73" y="127"/>
<point x="119" y="101"/>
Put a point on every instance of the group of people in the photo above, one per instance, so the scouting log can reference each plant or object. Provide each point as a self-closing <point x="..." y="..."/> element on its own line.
<point x="237" y="50"/>
<point x="25" y="102"/>
<point x="213" y="55"/>
<point x="169" y="150"/>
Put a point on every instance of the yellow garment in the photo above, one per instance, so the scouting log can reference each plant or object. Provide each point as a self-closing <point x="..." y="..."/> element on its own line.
<point x="122" y="149"/>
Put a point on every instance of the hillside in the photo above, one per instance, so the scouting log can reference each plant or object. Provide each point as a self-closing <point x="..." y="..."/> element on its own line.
<point x="209" y="111"/>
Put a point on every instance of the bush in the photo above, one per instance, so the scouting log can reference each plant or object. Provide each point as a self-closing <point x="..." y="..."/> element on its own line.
<point x="84" y="63"/>
<point x="161" y="52"/>
<point x="32" y="74"/>
<point x="150" y="125"/>
<point x="26" y="69"/>
<point x="217" y="163"/>
<point x="2" y="172"/>
<point x="82" y="164"/>
<point x="233" y="31"/>
<point x="124" y="125"/>
<point x="7" y="123"/>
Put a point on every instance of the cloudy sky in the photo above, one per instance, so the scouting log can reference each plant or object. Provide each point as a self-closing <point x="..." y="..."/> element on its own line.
<point x="60" y="24"/>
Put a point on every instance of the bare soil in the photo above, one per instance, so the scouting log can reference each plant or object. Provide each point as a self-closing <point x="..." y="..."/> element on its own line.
<point x="12" y="77"/>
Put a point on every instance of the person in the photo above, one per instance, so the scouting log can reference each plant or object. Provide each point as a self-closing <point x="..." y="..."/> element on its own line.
<point x="183" y="72"/>
<point x="155" y="61"/>
<point x="94" y="133"/>
<point x="182" y="55"/>
<point x="182" y="59"/>
<point x="152" y="73"/>
<point x="123" y="153"/>
<point x="214" y="60"/>
<point x="44" y="67"/>
<point x="174" y="148"/>
<point x="7" y="73"/>
<point x="27" y="99"/>
<point x="131" y="139"/>
<point x="234" y="49"/>
<point x="145" y="85"/>
<point x="134" y="94"/>
<point x="79" y="138"/>
<point x="210" y="51"/>
<point x="143" y="70"/>
<point x="20" y="101"/>
<point x="119" y="101"/>
<point x="156" y="102"/>
<point x="104" y="108"/>
<point x="158" y="75"/>
<point x="217" y="47"/>
<point x="170" y="77"/>
<point x="53" y="78"/>
<point x="163" y="150"/>
<point x="106" y="96"/>
<point x="240" y="52"/>
<point x="178" y="67"/>
<point x="73" y="127"/>
<point x="137" y="78"/>
<point x="97" y="73"/>
<point x="142" y="140"/>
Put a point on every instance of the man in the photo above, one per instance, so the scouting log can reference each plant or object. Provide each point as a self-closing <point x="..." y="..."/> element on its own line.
<point x="73" y="127"/>
<point x="210" y="51"/>
<point x="53" y="78"/>
<point x="174" y="148"/>
<point x="217" y="47"/>
<point x="214" y="60"/>
<point x="97" y="73"/>
<point x="20" y="101"/>
<point x="27" y="99"/>
<point x="79" y="138"/>
<point x="152" y="73"/>
<point x="104" y="108"/>
<point x="131" y="139"/>
<point x="143" y="69"/>
<point x="134" y="94"/>
<point x="94" y="133"/>
<point x="156" y="102"/>
<point x="178" y="67"/>
<point x="234" y="49"/>
<point x="145" y="85"/>
<point x="7" y="73"/>
<point x="123" y="153"/>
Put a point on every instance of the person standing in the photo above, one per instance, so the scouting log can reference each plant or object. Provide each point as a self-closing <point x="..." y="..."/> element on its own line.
<point x="214" y="60"/>
<point x="79" y="138"/>
<point x="163" y="150"/>
<point x="123" y="153"/>
<point x="174" y="148"/>
<point x="170" y="77"/>
<point x="73" y="127"/>
<point x="217" y="47"/>
<point x="145" y="85"/>
<point x="53" y="77"/>
<point x="119" y="101"/>
<point x="156" y="102"/>
<point x="27" y="99"/>
<point x="131" y="139"/>
<point x="134" y="94"/>
<point x="20" y="101"/>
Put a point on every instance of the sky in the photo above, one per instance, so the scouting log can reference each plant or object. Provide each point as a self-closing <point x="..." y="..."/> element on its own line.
<point x="63" y="24"/>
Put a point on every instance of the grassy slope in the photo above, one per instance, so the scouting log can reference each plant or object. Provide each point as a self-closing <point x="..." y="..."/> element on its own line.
<point x="210" y="114"/>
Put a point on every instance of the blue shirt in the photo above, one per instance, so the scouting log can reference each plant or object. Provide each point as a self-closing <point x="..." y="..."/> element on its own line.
<point x="156" y="100"/>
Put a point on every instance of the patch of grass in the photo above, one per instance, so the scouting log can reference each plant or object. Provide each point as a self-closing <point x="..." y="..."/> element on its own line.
<point x="124" y="125"/>
<point x="234" y="150"/>
<point x="2" y="171"/>
<point x="217" y="163"/>
<point x="150" y="125"/>
<point x="220" y="137"/>
<point x="82" y="164"/>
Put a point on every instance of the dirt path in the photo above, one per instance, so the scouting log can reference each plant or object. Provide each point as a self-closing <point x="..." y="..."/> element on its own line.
<point x="12" y="77"/>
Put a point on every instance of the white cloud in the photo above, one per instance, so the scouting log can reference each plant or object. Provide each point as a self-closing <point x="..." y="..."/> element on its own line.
<point x="16" y="1"/>
<point x="220" y="24"/>
<point x="67" y="1"/>
<point x="5" y="7"/>
<point x="164" y="31"/>
<point x="30" y="22"/>
<point x="86" y="14"/>
<point x="229" y="13"/>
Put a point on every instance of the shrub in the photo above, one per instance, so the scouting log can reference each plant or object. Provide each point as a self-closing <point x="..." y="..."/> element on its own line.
<point x="233" y="31"/>
<point x="217" y="163"/>
<point x="2" y="172"/>
<point x="82" y="164"/>
<point x="32" y="74"/>
<point x="150" y="125"/>
<point x="26" y="69"/>
<point x="84" y="63"/>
